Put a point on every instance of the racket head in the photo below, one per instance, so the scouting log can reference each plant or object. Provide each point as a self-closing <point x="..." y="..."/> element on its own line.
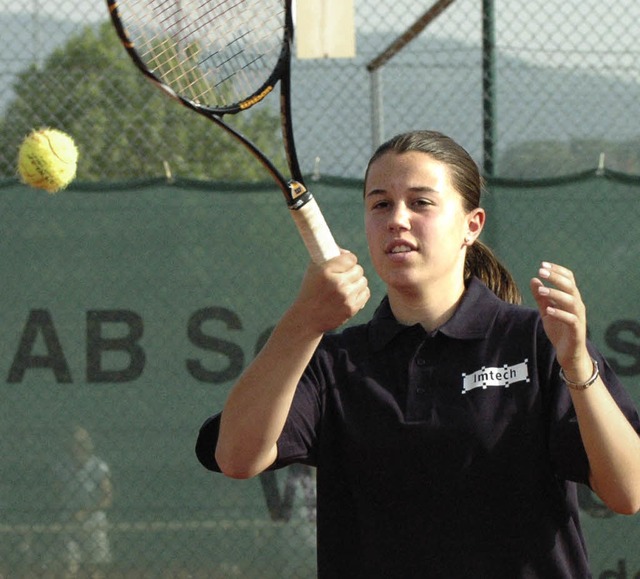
<point x="222" y="56"/>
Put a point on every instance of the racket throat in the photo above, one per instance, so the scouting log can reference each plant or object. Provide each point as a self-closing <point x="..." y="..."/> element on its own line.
<point x="298" y="195"/>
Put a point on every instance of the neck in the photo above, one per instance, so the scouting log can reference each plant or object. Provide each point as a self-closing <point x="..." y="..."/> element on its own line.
<point x="431" y="307"/>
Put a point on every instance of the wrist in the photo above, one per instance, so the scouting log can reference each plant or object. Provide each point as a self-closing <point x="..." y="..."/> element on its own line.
<point x="580" y="379"/>
<point x="299" y="323"/>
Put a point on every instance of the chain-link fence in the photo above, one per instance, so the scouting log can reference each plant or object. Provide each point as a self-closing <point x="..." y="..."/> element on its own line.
<point x="533" y="89"/>
<point x="131" y="302"/>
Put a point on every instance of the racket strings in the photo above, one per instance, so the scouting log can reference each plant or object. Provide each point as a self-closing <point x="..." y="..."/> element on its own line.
<point x="216" y="53"/>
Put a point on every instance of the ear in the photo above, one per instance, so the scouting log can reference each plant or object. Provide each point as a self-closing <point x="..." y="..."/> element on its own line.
<point x="475" y="223"/>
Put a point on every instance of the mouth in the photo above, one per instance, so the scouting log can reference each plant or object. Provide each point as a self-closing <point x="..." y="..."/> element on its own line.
<point x="401" y="249"/>
<point x="399" y="246"/>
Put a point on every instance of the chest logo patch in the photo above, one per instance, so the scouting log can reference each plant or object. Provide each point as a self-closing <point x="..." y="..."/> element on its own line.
<point x="500" y="376"/>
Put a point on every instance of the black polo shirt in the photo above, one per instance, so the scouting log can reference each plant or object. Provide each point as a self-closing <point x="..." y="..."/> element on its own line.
<point x="441" y="455"/>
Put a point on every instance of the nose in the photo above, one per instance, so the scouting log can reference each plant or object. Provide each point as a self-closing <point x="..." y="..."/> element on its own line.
<point x="399" y="218"/>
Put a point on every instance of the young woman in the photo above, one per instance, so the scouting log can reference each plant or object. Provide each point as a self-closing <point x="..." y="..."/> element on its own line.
<point x="450" y="431"/>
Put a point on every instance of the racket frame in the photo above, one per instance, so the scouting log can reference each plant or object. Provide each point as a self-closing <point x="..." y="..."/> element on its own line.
<point x="305" y="211"/>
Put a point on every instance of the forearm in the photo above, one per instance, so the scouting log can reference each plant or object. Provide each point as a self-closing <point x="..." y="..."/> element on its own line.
<point x="612" y="446"/>
<point x="611" y="443"/>
<point x="258" y="405"/>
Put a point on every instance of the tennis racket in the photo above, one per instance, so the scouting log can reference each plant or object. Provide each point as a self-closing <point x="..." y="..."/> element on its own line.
<point x="221" y="57"/>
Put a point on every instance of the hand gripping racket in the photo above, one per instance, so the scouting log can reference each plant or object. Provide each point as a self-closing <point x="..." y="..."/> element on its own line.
<point x="221" y="57"/>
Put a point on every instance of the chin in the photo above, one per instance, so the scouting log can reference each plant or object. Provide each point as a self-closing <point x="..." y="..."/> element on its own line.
<point x="401" y="280"/>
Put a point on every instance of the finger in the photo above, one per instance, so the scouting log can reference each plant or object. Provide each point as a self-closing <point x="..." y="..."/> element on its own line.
<point x="356" y="274"/>
<point x="557" y="275"/>
<point x="360" y="293"/>
<point x="365" y="295"/>
<point x="540" y="293"/>
<point x="357" y="289"/>
<point x="344" y="269"/>
<point x="341" y="263"/>
<point x="362" y="286"/>
<point x="556" y="298"/>
<point x="564" y="281"/>
<point x="544" y="290"/>
<point x="567" y="319"/>
<point x="558" y="269"/>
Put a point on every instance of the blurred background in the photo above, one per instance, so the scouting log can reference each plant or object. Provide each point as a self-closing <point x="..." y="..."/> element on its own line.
<point x="532" y="91"/>
<point x="131" y="301"/>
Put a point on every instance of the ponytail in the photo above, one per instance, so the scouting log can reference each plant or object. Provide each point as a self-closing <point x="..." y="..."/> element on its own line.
<point x="482" y="263"/>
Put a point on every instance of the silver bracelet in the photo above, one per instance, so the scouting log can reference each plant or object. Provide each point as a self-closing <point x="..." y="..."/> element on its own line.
<point x="582" y="385"/>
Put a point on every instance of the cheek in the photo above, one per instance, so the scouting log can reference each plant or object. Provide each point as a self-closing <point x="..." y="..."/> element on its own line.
<point x="371" y="229"/>
<point x="455" y="223"/>
<point x="375" y="242"/>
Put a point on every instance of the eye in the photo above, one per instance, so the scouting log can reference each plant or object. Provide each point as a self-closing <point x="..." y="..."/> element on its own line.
<point x="380" y="204"/>
<point x="422" y="202"/>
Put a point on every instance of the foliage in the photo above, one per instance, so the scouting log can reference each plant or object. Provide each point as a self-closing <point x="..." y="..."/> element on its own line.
<point x="137" y="134"/>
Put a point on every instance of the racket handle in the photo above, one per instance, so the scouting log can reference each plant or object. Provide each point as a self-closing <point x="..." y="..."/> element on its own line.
<point x="314" y="229"/>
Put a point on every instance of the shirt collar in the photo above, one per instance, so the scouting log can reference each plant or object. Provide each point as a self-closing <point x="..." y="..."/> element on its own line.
<point x="472" y="319"/>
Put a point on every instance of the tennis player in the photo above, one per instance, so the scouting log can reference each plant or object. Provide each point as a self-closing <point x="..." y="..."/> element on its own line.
<point x="450" y="431"/>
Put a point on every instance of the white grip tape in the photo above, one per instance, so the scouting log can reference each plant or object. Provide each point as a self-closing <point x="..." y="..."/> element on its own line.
<point x="315" y="232"/>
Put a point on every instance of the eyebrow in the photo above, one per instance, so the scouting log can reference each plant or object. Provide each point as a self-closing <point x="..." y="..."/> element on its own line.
<point x="417" y="189"/>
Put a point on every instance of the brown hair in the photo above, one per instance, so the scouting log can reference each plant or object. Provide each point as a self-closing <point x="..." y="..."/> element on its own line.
<point x="466" y="179"/>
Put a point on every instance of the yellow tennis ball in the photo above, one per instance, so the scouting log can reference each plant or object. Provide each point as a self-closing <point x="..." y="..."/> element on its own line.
<point x="47" y="160"/>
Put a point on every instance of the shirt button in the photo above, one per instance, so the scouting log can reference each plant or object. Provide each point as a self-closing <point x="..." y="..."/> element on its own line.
<point x="420" y="361"/>
<point x="419" y="390"/>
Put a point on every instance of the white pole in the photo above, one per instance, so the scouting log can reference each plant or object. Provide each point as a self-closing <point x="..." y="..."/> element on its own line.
<point x="377" y="108"/>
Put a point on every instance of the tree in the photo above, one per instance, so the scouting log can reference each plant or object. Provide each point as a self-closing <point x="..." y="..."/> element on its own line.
<point x="124" y="127"/>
